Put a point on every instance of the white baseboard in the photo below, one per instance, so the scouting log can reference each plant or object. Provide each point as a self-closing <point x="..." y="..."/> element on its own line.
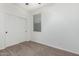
<point x="2" y="48"/>
<point x="47" y="45"/>
<point x="55" y="47"/>
<point x="11" y="45"/>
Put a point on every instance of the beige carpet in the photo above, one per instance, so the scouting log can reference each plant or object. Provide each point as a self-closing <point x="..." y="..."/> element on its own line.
<point x="33" y="49"/>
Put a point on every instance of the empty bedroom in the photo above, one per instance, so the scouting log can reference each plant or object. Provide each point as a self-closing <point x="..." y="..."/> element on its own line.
<point x="39" y="29"/>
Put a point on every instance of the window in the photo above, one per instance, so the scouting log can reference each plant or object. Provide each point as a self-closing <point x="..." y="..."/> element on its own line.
<point x="37" y="22"/>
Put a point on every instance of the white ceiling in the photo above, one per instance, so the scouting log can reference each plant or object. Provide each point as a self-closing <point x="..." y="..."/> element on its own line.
<point x="32" y="6"/>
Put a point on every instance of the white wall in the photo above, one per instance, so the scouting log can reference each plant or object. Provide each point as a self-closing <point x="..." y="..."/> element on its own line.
<point x="60" y="26"/>
<point x="1" y="31"/>
<point x="12" y="10"/>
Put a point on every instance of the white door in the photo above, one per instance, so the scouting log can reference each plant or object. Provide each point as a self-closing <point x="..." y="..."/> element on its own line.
<point x="15" y="30"/>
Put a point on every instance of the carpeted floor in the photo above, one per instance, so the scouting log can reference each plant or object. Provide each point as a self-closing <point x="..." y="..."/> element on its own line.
<point x="33" y="49"/>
